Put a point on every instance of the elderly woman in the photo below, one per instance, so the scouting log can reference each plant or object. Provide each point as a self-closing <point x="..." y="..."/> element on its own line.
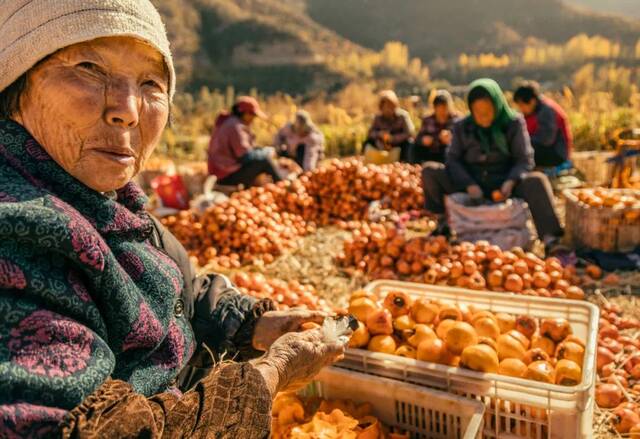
<point x="301" y="141"/>
<point x="100" y="309"/>
<point x="435" y="136"/>
<point x="491" y="151"/>
<point x="392" y="128"/>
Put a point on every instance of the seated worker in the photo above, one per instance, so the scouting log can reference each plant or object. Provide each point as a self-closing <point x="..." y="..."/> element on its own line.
<point x="301" y="141"/>
<point x="233" y="157"/>
<point x="392" y="127"/>
<point x="491" y="152"/>
<point x="548" y="125"/>
<point x="435" y="134"/>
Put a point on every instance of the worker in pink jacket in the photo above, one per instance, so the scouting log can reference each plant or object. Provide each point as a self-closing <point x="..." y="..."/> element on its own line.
<point x="233" y="157"/>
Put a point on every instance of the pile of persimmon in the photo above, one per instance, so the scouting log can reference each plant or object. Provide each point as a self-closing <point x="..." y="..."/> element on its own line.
<point x="310" y="418"/>
<point x="247" y="227"/>
<point x="286" y="295"/>
<point x="599" y="198"/>
<point x="261" y="222"/>
<point x="544" y="350"/>
<point x="384" y="252"/>
<point x="618" y="366"/>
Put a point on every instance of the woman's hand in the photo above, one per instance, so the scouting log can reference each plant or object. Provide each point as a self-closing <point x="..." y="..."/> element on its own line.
<point x="427" y="141"/>
<point x="475" y="191"/>
<point x="296" y="358"/>
<point x="446" y="137"/>
<point x="507" y="188"/>
<point x="273" y="324"/>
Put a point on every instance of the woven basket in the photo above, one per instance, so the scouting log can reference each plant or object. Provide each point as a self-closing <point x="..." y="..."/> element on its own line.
<point x="606" y="229"/>
<point x="594" y="166"/>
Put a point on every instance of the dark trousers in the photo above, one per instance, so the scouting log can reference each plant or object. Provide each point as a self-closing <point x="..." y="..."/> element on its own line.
<point x="547" y="157"/>
<point x="420" y="154"/>
<point x="251" y="168"/>
<point x="534" y="188"/>
<point x="301" y="152"/>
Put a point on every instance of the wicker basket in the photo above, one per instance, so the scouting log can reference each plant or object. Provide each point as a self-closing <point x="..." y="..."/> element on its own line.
<point x="594" y="166"/>
<point x="609" y="230"/>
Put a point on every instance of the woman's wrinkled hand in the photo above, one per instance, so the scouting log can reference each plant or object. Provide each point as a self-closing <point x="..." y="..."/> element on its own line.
<point x="273" y="324"/>
<point x="296" y="358"/>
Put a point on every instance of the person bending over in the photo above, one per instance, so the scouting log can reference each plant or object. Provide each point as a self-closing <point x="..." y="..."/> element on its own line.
<point x="301" y="141"/>
<point x="233" y="156"/>
<point x="491" y="152"/>
<point x="435" y="135"/>
<point x="392" y="127"/>
<point x="548" y="126"/>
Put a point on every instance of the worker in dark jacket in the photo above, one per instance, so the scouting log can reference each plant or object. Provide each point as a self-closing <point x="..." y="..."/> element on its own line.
<point x="392" y="127"/>
<point x="548" y="126"/>
<point x="436" y="132"/>
<point x="491" y="152"/>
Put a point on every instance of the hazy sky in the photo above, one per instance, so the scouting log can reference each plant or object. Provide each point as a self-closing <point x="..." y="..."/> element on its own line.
<point x="624" y="7"/>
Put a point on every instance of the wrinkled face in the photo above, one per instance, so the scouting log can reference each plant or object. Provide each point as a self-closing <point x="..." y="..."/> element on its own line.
<point x="483" y="111"/>
<point x="441" y="112"/>
<point x="98" y="108"/>
<point x="387" y="108"/>
<point x="527" y="108"/>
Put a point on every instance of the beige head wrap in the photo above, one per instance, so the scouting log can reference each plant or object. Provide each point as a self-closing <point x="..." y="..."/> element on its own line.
<point x="389" y="95"/>
<point x="30" y="30"/>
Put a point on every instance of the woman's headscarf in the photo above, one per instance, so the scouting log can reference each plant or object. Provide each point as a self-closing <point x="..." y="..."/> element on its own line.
<point x="390" y="96"/>
<point x="495" y="135"/>
<point x="32" y="30"/>
<point x="443" y="96"/>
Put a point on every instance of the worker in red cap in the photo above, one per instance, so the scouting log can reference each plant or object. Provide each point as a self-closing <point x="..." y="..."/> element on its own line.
<point x="233" y="157"/>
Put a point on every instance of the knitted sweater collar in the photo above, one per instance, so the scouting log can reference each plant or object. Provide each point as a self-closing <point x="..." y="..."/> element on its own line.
<point x="123" y="214"/>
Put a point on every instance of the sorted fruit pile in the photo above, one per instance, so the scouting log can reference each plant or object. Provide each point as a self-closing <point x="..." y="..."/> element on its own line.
<point x="249" y="225"/>
<point x="262" y="222"/>
<point x="600" y="198"/>
<point x="618" y="365"/>
<point x="542" y="350"/>
<point x="386" y="253"/>
<point x="285" y="294"/>
<point x="294" y="418"/>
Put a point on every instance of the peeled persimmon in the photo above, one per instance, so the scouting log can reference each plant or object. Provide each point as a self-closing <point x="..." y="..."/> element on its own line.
<point x="362" y="308"/>
<point x="380" y="322"/>
<point x="487" y="327"/>
<point x="541" y="371"/>
<point x="398" y="303"/>
<point x="495" y="278"/>
<point x="541" y="280"/>
<point x="421" y="333"/>
<point x="513" y="283"/>
<point x="431" y="350"/>
<point x="459" y="336"/>
<point x="424" y="311"/>
<point x="382" y="343"/>
<point x="512" y="367"/>
<point x="360" y="337"/>
<point x="480" y="357"/>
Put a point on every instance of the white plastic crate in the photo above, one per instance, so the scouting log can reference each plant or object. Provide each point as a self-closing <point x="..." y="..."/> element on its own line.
<point x="424" y="413"/>
<point x="515" y="407"/>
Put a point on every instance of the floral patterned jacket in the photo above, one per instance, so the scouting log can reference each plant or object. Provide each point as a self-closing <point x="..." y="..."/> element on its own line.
<point x="87" y="300"/>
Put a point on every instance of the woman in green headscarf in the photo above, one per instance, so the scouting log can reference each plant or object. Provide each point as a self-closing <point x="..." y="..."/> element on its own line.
<point x="491" y="151"/>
